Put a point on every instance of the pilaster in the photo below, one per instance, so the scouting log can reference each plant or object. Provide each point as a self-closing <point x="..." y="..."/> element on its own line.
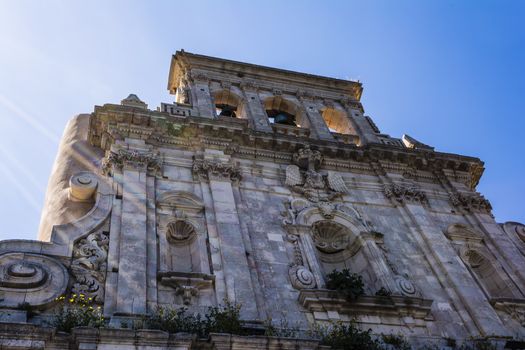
<point x="218" y="170"/>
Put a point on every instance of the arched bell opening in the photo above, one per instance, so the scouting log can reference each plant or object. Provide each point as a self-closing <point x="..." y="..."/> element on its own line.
<point x="487" y="275"/>
<point x="228" y="104"/>
<point x="282" y="111"/>
<point x="337" y="121"/>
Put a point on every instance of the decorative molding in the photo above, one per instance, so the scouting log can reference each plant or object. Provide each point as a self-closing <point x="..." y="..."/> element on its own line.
<point x="513" y="307"/>
<point x="470" y="202"/>
<point x="206" y="170"/>
<point x="123" y="158"/>
<point x="89" y="265"/>
<point x="402" y="193"/>
<point x="322" y="300"/>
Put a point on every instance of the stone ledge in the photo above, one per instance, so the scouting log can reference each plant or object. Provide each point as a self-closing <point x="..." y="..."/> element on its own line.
<point x="323" y="300"/>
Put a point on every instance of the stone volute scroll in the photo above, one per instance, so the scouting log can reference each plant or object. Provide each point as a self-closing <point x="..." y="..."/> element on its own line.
<point x="31" y="278"/>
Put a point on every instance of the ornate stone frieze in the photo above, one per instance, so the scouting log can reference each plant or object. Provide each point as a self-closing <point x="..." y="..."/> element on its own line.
<point x="401" y="193"/>
<point x="131" y="159"/>
<point x="32" y="278"/>
<point x="304" y="178"/>
<point x="215" y="170"/>
<point x="89" y="265"/>
<point x="474" y="202"/>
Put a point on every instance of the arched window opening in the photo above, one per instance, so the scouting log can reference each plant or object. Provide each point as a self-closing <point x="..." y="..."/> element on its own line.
<point x="487" y="275"/>
<point x="337" y="121"/>
<point x="284" y="112"/>
<point x="228" y="104"/>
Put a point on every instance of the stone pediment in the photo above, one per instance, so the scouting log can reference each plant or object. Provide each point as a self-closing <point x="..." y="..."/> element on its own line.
<point x="180" y="200"/>
<point x="461" y="232"/>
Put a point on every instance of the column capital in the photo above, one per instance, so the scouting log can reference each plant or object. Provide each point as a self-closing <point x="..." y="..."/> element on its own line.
<point x="215" y="170"/>
<point x="131" y="159"/>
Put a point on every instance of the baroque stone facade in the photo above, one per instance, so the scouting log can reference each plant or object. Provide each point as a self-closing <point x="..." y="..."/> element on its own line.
<point x="250" y="188"/>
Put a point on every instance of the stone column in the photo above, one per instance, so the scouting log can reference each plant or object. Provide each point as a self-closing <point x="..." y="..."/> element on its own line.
<point x="367" y="133"/>
<point x="254" y="107"/>
<point x="317" y="123"/>
<point x="201" y="91"/>
<point x="220" y="172"/>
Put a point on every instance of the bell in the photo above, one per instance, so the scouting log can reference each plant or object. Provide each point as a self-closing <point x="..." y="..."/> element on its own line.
<point x="282" y="118"/>
<point x="227" y="112"/>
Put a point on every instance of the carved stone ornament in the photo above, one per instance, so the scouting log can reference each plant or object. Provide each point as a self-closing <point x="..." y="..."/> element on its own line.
<point x="89" y="265"/>
<point x="471" y="202"/>
<point x="515" y="310"/>
<point x="405" y="286"/>
<point x="32" y="278"/>
<point x="187" y="285"/>
<point x="301" y="277"/>
<point x="123" y="158"/>
<point x="402" y="193"/>
<point x="330" y="237"/>
<point x="303" y="177"/>
<point x="180" y="232"/>
<point x="215" y="170"/>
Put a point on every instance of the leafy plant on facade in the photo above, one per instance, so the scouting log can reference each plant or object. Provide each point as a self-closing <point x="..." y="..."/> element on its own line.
<point x="346" y="336"/>
<point x="76" y="311"/>
<point x="282" y="330"/>
<point x="218" y="319"/>
<point x="383" y="292"/>
<point x="395" y="341"/>
<point x="350" y="284"/>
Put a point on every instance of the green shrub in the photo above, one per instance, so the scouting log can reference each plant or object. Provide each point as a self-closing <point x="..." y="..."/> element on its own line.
<point x="175" y="321"/>
<point x="218" y="319"/>
<point x="383" y="292"/>
<point x="351" y="284"/>
<point x="397" y="342"/>
<point x="283" y="330"/>
<point x="346" y="337"/>
<point x="77" y="311"/>
<point x="224" y="319"/>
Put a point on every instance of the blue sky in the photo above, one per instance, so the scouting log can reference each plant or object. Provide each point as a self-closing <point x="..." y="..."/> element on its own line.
<point x="449" y="73"/>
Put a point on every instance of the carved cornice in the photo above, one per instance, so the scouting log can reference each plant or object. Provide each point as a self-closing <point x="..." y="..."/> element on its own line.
<point x="402" y="193"/>
<point x="268" y="145"/>
<point x="206" y="170"/>
<point x="131" y="159"/>
<point x="470" y="202"/>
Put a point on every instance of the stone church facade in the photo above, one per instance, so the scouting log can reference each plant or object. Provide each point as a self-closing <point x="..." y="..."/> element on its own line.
<point x="252" y="187"/>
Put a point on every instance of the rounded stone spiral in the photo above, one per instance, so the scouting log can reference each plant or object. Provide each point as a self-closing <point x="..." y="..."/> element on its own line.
<point x="82" y="186"/>
<point x="34" y="278"/>
<point x="302" y="278"/>
<point x="406" y="286"/>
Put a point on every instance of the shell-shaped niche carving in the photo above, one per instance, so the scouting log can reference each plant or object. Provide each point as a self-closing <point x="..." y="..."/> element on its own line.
<point x="180" y="231"/>
<point x="35" y="279"/>
<point x="473" y="258"/>
<point x="330" y="237"/>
